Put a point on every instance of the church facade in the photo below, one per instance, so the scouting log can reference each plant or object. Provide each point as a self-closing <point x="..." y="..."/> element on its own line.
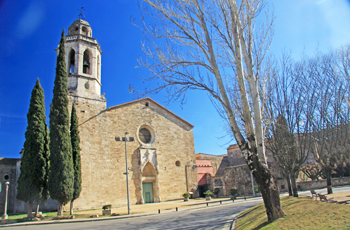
<point x="159" y="144"/>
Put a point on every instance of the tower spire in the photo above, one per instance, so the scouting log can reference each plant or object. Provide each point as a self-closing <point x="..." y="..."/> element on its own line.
<point x="81" y="15"/>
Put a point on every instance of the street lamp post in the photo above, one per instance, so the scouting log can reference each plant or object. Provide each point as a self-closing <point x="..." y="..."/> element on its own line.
<point x="127" y="173"/>
<point x="4" y="217"/>
<point x="126" y="167"/>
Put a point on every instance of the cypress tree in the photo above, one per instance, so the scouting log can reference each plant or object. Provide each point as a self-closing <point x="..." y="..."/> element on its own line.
<point x="46" y="155"/>
<point x="31" y="180"/>
<point x="75" y="140"/>
<point x="61" y="177"/>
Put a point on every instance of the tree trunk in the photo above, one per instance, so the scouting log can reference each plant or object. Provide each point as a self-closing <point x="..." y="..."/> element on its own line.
<point x="289" y="186"/>
<point x="329" y="182"/>
<point x="269" y="190"/>
<point x="59" y="209"/>
<point x="71" y="207"/>
<point x="37" y="209"/>
<point x="30" y="208"/>
<point x="294" y="184"/>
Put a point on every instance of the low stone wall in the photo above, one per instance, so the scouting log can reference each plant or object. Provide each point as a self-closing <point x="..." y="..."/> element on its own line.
<point x="49" y="206"/>
<point x="317" y="184"/>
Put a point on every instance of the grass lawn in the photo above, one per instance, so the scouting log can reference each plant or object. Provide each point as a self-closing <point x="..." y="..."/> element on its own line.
<point x="301" y="213"/>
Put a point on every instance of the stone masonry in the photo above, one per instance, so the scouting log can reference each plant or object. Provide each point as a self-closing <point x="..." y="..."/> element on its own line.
<point x="160" y="147"/>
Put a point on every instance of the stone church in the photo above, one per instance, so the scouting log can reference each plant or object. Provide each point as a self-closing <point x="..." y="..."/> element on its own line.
<point x="159" y="144"/>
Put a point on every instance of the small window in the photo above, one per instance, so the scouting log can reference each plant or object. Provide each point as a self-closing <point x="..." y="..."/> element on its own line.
<point x="6" y="177"/>
<point x="131" y="139"/>
<point x="123" y="139"/>
<point x="177" y="163"/>
<point x="282" y="186"/>
<point x="117" y="138"/>
<point x="147" y="104"/>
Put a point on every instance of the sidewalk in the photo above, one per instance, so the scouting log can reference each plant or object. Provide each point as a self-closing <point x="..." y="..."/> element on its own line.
<point x="164" y="206"/>
<point x="141" y="210"/>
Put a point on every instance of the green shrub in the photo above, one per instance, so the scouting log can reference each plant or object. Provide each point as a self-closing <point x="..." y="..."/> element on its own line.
<point x="107" y="206"/>
<point x="208" y="193"/>
<point x="216" y="191"/>
<point x="233" y="191"/>
<point x="186" y="195"/>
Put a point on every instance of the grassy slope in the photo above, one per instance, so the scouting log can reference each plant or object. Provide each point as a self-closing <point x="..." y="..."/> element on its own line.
<point x="302" y="213"/>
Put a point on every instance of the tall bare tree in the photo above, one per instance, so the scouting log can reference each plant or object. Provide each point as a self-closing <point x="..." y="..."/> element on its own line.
<point x="313" y="96"/>
<point x="289" y="104"/>
<point x="330" y="121"/>
<point x="218" y="46"/>
<point x="283" y="146"/>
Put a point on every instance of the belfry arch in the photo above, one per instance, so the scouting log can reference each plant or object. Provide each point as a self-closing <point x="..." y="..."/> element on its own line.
<point x="98" y="67"/>
<point x="71" y="61"/>
<point x="87" y="62"/>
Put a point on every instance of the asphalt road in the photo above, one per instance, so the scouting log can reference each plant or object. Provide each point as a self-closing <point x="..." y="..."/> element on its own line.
<point x="217" y="217"/>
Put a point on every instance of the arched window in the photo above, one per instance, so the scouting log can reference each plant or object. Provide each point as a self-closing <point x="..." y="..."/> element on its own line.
<point x="149" y="170"/>
<point x="98" y="67"/>
<point x="85" y="31"/>
<point x="86" y="62"/>
<point x="71" y="61"/>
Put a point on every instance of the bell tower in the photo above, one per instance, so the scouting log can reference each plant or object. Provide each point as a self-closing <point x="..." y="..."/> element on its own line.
<point x="83" y="60"/>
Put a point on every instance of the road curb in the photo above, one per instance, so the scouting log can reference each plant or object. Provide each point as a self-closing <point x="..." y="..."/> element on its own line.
<point x="234" y="221"/>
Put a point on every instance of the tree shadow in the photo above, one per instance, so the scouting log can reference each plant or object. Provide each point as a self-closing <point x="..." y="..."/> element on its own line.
<point x="343" y="202"/>
<point x="261" y="225"/>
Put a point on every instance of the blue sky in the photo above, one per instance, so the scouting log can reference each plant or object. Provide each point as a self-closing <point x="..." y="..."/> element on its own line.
<point x="30" y="31"/>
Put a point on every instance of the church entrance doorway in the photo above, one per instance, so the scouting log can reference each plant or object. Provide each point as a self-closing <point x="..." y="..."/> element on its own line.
<point x="147" y="189"/>
<point x="149" y="184"/>
<point x="202" y="189"/>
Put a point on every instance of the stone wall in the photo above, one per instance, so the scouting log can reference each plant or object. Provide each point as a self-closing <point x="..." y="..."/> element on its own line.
<point x="8" y="174"/>
<point x="103" y="158"/>
<point x="237" y="177"/>
<point x="307" y="185"/>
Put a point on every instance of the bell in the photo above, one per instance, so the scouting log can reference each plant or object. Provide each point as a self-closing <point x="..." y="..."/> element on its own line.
<point x="86" y="63"/>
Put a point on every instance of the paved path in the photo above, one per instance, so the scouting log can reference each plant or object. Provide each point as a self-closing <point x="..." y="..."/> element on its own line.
<point x="216" y="217"/>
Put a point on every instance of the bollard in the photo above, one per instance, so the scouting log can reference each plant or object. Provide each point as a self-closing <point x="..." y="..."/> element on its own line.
<point x="207" y="204"/>
<point x="158" y="211"/>
<point x="176" y="208"/>
<point x="245" y="198"/>
<point x="233" y="200"/>
<point x="220" y="201"/>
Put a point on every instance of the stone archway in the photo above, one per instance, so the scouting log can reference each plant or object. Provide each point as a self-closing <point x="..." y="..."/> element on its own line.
<point x="148" y="182"/>
<point x="150" y="189"/>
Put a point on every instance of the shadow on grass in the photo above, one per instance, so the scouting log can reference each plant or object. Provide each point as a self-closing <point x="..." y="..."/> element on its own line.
<point x="343" y="202"/>
<point x="251" y="210"/>
<point x="261" y="225"/>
